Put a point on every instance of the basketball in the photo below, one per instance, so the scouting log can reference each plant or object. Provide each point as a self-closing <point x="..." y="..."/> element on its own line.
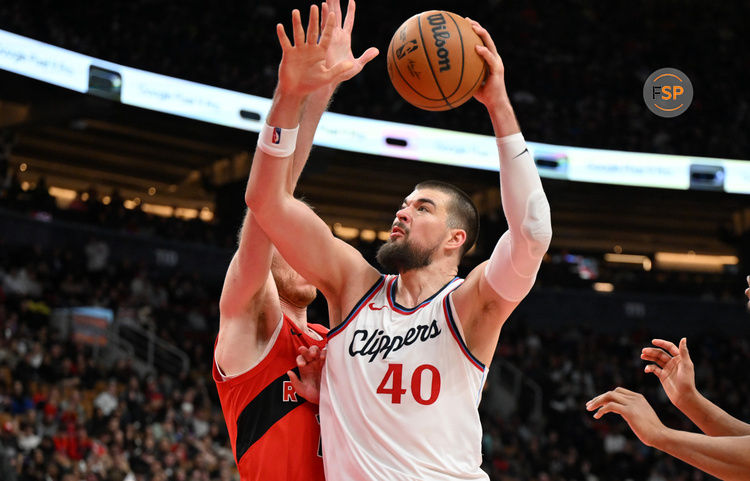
<point x="432" y="62"/>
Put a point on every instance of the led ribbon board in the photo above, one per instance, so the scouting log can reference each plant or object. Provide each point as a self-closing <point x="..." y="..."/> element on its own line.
<point x="196" y="101"/>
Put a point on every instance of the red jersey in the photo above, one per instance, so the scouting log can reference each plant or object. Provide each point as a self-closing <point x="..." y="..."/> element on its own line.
<point x="275" y="433"/>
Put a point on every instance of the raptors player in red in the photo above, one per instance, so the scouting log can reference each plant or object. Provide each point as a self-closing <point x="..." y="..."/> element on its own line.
<point x="271" y="417"/>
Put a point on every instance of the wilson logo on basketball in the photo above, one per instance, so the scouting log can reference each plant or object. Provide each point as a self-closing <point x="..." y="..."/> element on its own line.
<point x="440" y="35"/>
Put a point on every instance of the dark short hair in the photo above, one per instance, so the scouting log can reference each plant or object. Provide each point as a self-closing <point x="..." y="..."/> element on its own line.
<point x="462" y="213"/>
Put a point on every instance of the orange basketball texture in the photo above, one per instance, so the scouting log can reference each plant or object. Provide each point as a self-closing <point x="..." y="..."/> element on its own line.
<point x="432" y="62"/>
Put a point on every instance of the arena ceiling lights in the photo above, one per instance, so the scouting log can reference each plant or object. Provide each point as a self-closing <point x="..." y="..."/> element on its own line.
<point x="196" y="101"/>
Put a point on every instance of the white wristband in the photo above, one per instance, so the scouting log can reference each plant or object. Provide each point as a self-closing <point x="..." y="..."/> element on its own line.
<point x="276" y="141"/>
<point x="518" y="136"/>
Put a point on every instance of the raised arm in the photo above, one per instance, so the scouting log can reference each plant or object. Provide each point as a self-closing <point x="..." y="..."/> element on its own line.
<point x="493" y="289"/>
<point x="249" y="304"/>
<point x="304" y="240"/>
<point x="726" y="457"/>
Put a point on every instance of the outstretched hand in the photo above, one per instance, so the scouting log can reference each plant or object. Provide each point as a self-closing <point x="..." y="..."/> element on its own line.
<point x="674" y="368"/>
<point x="310" y="363"/>
<point x="303" y="67"/>
<point x="340" y="48"/>
<point x="634" y="408"/>
<point x="493" y="90"/>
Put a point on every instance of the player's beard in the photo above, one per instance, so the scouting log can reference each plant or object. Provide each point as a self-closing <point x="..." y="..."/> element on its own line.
<point x="403" y="256"/>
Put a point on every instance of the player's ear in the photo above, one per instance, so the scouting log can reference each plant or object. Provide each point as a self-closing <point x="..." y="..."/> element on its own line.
<point x="456" y="239"/>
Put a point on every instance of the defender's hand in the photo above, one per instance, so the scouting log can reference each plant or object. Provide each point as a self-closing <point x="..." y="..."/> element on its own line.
<point x="341" y="39"/>
<point x="310" y="363"/>
<point x="634" y="408"/>
<point x="673" y="367"/>
<point x="303" y="66"/>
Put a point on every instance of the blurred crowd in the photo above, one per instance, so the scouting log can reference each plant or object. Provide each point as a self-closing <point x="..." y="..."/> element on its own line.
<point x="68" y="414"/>
<point x="575" y="68"/>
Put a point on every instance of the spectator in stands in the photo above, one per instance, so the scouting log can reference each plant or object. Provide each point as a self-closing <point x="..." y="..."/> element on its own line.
<point x="97" y="254"/>
<point x="107" y="401"/>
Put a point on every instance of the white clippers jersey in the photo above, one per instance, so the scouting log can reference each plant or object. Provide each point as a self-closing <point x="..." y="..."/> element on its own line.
<point x="399" y="393"/>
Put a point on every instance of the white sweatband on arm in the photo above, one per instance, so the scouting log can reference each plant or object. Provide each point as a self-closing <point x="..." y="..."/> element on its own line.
<point x="514" y="263"/>
<point x="276" y="141"/>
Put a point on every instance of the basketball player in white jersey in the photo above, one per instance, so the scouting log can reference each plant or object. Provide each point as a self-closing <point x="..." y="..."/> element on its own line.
<point x="407" y="354"/>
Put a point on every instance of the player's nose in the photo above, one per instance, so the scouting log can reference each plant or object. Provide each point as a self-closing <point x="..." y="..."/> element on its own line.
<point x="403" y="215"/>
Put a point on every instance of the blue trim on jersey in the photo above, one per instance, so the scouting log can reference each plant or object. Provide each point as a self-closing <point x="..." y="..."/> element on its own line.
<point x="363" y="300"/>
<point x="457" y="334"/>
<point x="405" y="310"/>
